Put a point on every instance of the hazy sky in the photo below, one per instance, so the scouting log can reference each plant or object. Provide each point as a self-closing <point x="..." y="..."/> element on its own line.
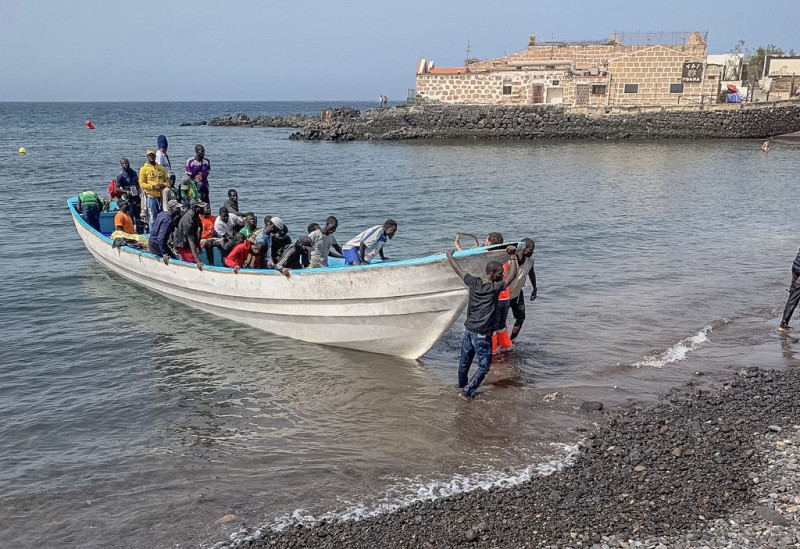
<point x="249" y="50"/>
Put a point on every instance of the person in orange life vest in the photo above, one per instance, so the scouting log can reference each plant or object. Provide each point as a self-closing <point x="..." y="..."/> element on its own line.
<point x="123" y="221"/>
<point x="500" y="336"/>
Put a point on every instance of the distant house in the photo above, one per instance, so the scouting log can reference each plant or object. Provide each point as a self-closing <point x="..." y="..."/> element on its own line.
<point x="642" y="72"/>
<point x="781" y="76"/>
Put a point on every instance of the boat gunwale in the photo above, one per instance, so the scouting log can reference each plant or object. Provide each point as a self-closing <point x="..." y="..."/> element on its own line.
<point x="72" y="204"/>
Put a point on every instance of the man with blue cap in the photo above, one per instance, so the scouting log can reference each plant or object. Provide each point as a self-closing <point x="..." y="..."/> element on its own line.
<point x="162" y="157"/>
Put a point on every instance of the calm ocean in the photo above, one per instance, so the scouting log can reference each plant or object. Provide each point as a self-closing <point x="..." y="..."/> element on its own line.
<point x="131" y="421"/>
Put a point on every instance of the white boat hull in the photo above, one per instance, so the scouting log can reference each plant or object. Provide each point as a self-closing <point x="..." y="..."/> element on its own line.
<point x="396" y="308"/>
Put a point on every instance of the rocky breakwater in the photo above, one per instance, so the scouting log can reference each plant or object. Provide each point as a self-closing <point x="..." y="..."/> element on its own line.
<point x="261" y="121"/>
<point x="436" y="121"/>
<point x="702" y="469"/>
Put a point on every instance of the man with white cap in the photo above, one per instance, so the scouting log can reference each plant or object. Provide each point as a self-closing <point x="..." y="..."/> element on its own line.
<point x="272" y="225"/>
<point x="152" y="180"/>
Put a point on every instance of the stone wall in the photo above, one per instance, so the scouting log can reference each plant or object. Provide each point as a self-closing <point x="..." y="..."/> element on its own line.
<point x="578" y="74"/>
<point x="654" y="69"/>
<point x="436" y="121"/>
<point x="583" y="55"/>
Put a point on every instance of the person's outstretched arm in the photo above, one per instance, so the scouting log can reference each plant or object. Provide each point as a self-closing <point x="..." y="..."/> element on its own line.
<point x="455" y="265"/>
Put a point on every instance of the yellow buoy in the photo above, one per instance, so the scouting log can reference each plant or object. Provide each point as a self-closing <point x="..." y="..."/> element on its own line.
<point x="22" y="150"/>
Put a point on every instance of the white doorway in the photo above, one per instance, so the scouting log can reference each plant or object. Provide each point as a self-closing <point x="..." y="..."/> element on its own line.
<point x="555" y="95"/>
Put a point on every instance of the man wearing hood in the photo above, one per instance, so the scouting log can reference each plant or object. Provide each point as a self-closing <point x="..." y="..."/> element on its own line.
<point x="162" y="158"/>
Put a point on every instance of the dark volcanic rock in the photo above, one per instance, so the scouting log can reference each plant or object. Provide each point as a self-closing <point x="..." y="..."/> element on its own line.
<point x="263" y="121"/>
<point x="591" y="406"/>
<point x="438" y="120"/>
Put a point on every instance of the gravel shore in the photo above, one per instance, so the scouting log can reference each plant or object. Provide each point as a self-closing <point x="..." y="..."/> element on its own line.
<point x="701" y="469"/>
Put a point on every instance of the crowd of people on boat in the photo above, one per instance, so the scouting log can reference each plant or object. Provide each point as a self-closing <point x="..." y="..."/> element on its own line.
<point x="180" y="225"/>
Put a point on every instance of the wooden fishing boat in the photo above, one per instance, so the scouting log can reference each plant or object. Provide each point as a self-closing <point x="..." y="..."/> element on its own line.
<point x="398" y="308"/>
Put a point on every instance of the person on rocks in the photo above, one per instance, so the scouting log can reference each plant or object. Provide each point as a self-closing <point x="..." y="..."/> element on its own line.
<point x="152" y="180"/>
<point x="162" y="230"/>
<point x="481" y="319"/>
<point x="322" y="240"/>
<point x="250" y="225"/>
<point x="89" y="206"/>
<point x="162" y="158"/>
<point x="297" y="255"/>
<point x="169" y="192"/>
<point x="369" y="243"/>
<point x="128" y="185"/>
<point x="233" y="203"/>
<point x="524" y="269"/>
<point x="186" y="237"/>
<point x="123" y="221"/>
<point x="202" y="165"/>
<point x="794" y="296"/>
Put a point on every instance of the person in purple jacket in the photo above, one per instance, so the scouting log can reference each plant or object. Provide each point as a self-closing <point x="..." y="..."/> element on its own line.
<point x="199" y="164"/>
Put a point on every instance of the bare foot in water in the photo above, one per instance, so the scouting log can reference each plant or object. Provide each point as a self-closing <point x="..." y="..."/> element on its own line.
<point x="463" y="396"/>
<point x="784" y="328"/>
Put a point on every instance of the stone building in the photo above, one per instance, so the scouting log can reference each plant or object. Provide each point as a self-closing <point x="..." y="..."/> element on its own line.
<point x="612" y="73"/>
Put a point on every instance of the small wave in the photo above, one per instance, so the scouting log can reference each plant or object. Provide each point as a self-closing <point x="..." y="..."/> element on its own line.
<point x="408" y="491"/>
<point x="676" y="352"/>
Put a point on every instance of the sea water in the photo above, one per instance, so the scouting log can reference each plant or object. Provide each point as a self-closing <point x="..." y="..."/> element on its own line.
<point x="130" y="420"/>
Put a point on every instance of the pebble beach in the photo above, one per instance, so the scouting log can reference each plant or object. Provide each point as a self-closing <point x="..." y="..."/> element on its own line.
<point x="701" y="469"/>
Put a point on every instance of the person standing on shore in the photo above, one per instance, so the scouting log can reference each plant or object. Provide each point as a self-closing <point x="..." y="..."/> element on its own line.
<point x="481" y="319"/>
<point x="794" y="296"/>
<point x="202" y="165"/>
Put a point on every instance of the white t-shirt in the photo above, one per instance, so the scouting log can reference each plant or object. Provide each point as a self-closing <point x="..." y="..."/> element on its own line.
<point x="222" y="228"/>
<point x="163" y="160"/>
<point x="373" y="238"/>
<point x="320" y="246"/>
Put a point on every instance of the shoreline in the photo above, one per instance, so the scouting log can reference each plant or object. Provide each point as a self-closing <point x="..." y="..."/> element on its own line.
<point x="529" y="122"/>
<point x="701" y="468"/>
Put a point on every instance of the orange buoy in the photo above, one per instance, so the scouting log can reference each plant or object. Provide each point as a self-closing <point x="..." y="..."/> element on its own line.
<point x="89" y="125"/>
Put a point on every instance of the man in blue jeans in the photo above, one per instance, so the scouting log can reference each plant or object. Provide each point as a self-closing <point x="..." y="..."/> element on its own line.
<point x="480" y="323"/>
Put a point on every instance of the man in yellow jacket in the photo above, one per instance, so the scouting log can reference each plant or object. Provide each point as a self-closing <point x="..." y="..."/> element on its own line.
<point x="152" y="180"/>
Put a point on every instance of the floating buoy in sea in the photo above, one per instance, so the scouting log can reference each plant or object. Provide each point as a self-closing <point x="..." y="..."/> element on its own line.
<point x="23" y="150"/>
<point x="89" y="125"/>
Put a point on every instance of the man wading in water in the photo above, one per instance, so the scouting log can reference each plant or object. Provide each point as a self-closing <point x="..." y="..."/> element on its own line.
<point x="480" y="323"/>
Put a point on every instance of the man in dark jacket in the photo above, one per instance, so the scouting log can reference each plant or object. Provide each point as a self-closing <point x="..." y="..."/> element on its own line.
<point x="163" y="226"/>
<point x="186" y="238"/>
<point x="481" y="318"/>
<point x="794" y="296"/>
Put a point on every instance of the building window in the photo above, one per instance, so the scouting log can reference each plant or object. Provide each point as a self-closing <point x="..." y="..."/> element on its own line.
<point x="631" y="88"/>
<point x="556" y="82"/>
<point x="598" y="89"/>
<point x="506" y="87"/>
<point x="676" y="88"/>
